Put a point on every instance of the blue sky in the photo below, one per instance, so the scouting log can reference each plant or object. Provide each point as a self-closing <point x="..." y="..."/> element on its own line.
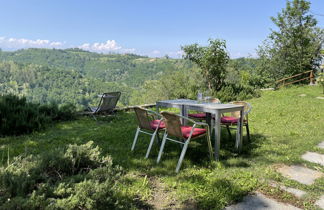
<point x="147" y="27"/>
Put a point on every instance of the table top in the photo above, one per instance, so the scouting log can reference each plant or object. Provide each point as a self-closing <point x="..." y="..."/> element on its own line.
<point x="194" y="103"/>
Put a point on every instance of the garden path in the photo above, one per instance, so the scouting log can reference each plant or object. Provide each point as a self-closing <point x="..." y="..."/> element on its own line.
<point x="300" y="174"/>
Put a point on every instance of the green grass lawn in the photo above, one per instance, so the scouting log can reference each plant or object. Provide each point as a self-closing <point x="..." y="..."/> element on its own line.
<point x="283" y="127"/>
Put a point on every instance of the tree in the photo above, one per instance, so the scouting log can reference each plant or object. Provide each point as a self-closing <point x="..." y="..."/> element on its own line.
<point x="296" y="46"/>
<point x="211" y="59"/>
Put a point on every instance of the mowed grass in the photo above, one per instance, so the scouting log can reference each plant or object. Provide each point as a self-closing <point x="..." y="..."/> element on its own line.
<point x="283" y="127"/>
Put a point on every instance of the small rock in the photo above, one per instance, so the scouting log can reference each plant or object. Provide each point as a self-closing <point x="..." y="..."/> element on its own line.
<point x="302" y="95"/>
<point x="320" y="202"/>
<point x="259" y="201"/>
<point x="314" y="157"/>
<point x="300" y="174"/>
<point x="321" y="145"/>
<point x="320" y="97"/>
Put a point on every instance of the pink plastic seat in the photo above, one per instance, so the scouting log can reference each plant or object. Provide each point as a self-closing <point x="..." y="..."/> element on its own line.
<point x="196" y="132"/>
<point x="198" y="115"/>
<point x="229" y="119"/>
<point x="155" y="123"/>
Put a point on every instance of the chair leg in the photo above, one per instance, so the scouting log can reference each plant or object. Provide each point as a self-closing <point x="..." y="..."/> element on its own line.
<point x="183" y="152"/>
<point x="135" y="139"/>
<point x="94" y="117"/>
<point x="151" y="143"/>
<point x="229" y="131"/>
<point x="158" y="138"/>
<point x="210" y="147"/>
<point x="162" y="146"/>
<point x="248" y="132"/>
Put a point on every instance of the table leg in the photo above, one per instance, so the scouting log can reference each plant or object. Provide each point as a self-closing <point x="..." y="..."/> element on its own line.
<point x="241" y="128"/>
<point x="184" y="112"/>
<point x="239" y="133"/>
<point x="217" y="135"/>
<point x="157" y="108"/>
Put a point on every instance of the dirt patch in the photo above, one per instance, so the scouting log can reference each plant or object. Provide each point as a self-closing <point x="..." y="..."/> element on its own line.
<point x="162" y="198"/>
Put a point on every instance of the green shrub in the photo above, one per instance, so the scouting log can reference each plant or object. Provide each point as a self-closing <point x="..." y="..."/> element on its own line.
<point x="17" y="116"/>
<point x="234" y="92"/>
<point x="77" y="177"/>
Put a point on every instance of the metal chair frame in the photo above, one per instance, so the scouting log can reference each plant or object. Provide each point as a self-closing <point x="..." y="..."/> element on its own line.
<point x="145" y="130"/>
<point x="185" y="142"/>
<point x="247" y="110"/>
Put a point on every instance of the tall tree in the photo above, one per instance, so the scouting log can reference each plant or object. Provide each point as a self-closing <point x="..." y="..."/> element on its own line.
<point x="295" y="47"/>
<point x="212" y="60"/>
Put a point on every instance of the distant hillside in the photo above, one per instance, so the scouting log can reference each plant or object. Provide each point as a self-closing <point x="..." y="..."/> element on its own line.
<point x="129" y="69"/>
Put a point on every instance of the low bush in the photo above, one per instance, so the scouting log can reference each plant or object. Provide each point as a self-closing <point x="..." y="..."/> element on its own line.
<point x="234" y="92"/>
<point x="17" y="116"/>
<point x="77" y="177"/>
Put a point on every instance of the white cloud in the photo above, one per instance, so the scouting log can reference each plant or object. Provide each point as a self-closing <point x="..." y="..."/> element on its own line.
<point x="101" y="47"/>
<point x="105" y="47"/>
<point x="14" y="43"/>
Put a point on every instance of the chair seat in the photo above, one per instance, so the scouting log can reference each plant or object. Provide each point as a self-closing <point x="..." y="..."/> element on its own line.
<point x="187" y="129"/>
<point x="230" y="120"/>
<point x="198" y="115"/>
<point x="154" y="124"/>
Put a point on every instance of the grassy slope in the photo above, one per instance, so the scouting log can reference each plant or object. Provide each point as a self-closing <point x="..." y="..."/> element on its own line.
<point x="283" y="125"/>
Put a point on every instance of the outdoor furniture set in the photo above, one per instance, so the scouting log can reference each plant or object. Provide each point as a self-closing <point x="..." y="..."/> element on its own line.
<point x="176" y="125"/>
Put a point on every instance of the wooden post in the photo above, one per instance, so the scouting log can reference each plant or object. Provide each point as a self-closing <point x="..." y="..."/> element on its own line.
<point x="311" y="78"/>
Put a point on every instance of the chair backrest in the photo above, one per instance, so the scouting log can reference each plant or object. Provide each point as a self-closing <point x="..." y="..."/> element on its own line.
<point x="108" y="101"/>
<point x="142" y="118"/>
<point x="172" y="124"/>
<point x="214" y="100"/>
<point x="247" y="109"/>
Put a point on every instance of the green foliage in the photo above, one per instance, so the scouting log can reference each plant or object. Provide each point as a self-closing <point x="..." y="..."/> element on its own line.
<point x="211" y="59"/>
<point x="248" y="72"/>
<point x="76" y="76"/>
<point x="77" y="177"/>
<point x="296" y="46"/>
<point x="17" y="116"/>
<point x="180" y="84"/>
<point x="234" y="92"/>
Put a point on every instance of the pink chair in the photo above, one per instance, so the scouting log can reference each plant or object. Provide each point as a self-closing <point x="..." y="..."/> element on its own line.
<point x="233" y="119"/>
<point x="148" y="124"/>
<point x="183" y="134"/>
<point x="202" y="116"/>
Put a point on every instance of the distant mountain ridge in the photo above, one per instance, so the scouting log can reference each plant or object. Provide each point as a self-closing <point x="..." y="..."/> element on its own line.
<point x="77" y="76"/>
<point x="130" y="69"/>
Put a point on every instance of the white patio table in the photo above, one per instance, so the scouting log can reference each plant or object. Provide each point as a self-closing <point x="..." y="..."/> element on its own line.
<point x="211" y="109"/>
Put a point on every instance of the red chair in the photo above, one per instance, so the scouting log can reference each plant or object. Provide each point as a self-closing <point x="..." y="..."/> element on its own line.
<point x="148" y="124"/>
<point x="184" y="134"/>
<point x="202" y="116"/>
<point x="233" y="119"/>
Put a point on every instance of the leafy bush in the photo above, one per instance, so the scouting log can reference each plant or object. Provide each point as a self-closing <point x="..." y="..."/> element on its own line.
<point x="77" y="177"/>
<point x="234" y="92"/>
<point x="17" y="116"/>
